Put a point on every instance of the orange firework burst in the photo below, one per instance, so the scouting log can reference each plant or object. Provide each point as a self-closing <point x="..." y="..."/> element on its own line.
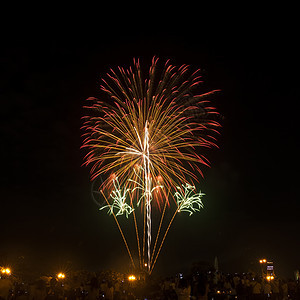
<point x="157" y="117"/>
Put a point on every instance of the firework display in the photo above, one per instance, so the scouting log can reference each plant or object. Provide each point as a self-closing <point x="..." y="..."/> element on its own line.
<point x="146" y="140"/>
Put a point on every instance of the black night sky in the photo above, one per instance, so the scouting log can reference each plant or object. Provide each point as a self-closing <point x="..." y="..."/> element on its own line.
<point x="48" y="218"/>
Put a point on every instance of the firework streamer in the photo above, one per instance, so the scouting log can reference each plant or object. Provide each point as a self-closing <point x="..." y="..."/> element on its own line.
<point x="146" y="158"/>
<point x="145" y="186"/>
<point x="120" y="229"/>
<point x="187" y="201"/>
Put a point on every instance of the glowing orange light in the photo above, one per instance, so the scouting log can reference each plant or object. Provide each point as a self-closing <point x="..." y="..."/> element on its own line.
<point x="61" y="275"/>
<point x="131" y="278"/>
<point x="6" y="271"/>
<point x="159" y="178"/>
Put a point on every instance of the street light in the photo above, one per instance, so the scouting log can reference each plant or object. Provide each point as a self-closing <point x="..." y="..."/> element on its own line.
<point x="131" y="278"/>
<point x="5" y="271"/>
<point x="262" y="261"/>
<point x="61" y="275"/>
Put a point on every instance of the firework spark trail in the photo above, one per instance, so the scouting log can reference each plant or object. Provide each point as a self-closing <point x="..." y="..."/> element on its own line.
<point x="145" y="186"/>
<point x="186" y="199"/>
<point x="120" y="229"/>
<point x="136" y="232"/>
<point x="155" y="122"/>
<point x="158" y="231"/>
<point x="146" y="159"/>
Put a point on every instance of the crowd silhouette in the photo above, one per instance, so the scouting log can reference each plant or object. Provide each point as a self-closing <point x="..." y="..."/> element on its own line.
<point x="116" y="286"/>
